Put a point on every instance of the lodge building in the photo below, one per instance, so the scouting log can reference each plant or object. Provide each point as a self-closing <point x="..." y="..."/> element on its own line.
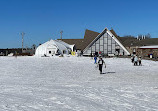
<point x="106" y="42"/>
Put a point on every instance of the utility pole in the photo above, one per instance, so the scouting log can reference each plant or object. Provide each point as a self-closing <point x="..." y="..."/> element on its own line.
<point x="22" y="40"/>
<point x="61" y="34"/>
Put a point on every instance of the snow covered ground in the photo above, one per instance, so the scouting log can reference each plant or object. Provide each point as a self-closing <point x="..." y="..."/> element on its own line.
<point x="74" y="84"/>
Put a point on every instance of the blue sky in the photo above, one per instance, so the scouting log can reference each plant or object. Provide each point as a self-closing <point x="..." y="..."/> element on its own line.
<point x="42" y="20"/>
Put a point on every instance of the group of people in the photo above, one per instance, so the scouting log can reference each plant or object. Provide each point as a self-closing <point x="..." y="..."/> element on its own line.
<point x="136" y="60"/>
<point x="99" y="63"/>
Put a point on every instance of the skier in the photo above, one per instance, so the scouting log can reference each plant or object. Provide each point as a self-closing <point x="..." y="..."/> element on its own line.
<point x="135" y="60"/>
<point x="95" y="59"/>
<point x="100" y="63"/>
<point x="139" y="61"/>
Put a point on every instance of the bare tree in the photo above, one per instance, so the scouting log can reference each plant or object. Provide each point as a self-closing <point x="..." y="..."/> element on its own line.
<point x="148" y="36"/>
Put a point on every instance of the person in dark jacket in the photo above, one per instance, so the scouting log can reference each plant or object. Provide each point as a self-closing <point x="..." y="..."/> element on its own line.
<point x="140" y="61"/>
<point x="100" y="63"/>
<point x="132" y="59"/>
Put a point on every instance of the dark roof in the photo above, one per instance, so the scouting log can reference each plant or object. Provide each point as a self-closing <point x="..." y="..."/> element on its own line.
<point x="146" y="42"/>
<point x="118" y="38"/>
<point x="89" y="37"/>
<point x="128" y="41"/>
<point x="113" y="32"/>
<point x="131" y="41"/>
<point x="82" y="43"/>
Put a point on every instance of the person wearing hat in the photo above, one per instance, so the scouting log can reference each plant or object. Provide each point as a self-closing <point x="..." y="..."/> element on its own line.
<point x="100" y="63"/>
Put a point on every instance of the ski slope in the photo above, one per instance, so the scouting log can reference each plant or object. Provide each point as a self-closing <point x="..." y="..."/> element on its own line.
<point x="74" y="84"/>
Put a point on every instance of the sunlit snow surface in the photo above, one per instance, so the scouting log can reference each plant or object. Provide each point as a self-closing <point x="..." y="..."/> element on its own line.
<point x="74" y="84"/>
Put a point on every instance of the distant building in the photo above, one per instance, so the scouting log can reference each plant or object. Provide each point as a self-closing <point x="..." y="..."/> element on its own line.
<point x="142" y="47"/>
<point x="17" y="51"/>
<point x="148" y="51"/>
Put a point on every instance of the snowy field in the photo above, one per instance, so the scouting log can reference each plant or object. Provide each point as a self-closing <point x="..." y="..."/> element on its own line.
<point x="74" y="84"/>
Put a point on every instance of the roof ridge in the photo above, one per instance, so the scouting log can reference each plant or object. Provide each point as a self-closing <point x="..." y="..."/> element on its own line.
<point x="91" y="31"/>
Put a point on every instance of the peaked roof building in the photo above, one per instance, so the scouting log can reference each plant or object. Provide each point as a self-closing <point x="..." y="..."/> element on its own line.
<point x="106" y="42"/>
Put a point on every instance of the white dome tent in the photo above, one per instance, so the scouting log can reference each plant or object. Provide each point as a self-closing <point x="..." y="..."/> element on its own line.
<point x="53" y="47"/>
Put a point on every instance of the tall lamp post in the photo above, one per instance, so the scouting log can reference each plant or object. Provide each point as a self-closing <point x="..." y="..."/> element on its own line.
<point x="22" y="40"/>
<point x="61" y="34"/>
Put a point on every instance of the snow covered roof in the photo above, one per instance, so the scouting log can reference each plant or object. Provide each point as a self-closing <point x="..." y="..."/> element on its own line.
<point x="65" y="44"/>
<point x="149" y="47"/>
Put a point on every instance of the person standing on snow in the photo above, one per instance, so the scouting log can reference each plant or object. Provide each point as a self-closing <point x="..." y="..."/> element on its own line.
<point x="132" y="59"/>
<point x="135" y="60"/>
<point x="100" y="63"/>
<point x="139" y="61"/>
<point x="95" y="59"/>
